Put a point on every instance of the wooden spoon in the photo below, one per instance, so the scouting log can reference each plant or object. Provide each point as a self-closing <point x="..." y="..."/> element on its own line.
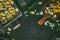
<point x="46" y="15"/>
<point x="42" y="20"/>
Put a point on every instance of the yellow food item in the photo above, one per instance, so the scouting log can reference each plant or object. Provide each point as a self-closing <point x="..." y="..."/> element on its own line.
<point x="56" y="8"/>
<point x="7" y="10"/>
<point x="13" y="39"/>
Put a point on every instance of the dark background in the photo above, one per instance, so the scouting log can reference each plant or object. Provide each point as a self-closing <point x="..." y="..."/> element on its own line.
<point x="30" y="30"/>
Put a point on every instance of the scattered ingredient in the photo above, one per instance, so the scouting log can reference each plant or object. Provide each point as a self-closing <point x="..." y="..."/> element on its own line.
<point x="57" y="21"/>
<point x="8" y="33"/>
<point x="37" y="14"/>
<point x="46" y="23"/>
<point x="9" y="29"/>
<point x="41" y="13"/>
<point x="32" y="12"/>
<point x="40" y="3"/>
<point x="13" y="38"/>
<point x="17" y="26"/>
